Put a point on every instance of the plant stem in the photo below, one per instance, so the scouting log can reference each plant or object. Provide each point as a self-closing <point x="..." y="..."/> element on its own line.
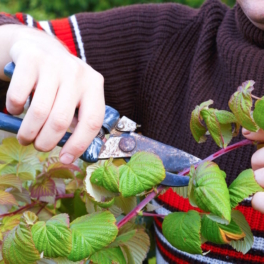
<point x="20" y="209"/>
<point x="69" y="195"/>
<point x="140" y="206"/>
<point x="153" y="215"/>
<point x="152" y="195"/>
<point x="35" y="203"/>
<point x="255" y="97"/>
<point x="41" y="208"/>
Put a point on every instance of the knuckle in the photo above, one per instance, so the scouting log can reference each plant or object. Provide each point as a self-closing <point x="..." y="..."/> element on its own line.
<point x="99" y="78"/>
<point x="40" y="147"/>
<point x="39" y="111"/>
<point x="26" y="139"/>
<point x="60" y="122"/>
<point x="94" y="123"/>
<point x="78" y="148"/>
<point x="15" y="99"/>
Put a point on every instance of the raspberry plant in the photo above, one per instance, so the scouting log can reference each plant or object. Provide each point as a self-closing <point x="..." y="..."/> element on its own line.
<point x="55" y="213"/>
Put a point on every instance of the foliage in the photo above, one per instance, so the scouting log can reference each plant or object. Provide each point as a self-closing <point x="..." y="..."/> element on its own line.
<point x="68" y="213"/>
<point x="46" y="9"/>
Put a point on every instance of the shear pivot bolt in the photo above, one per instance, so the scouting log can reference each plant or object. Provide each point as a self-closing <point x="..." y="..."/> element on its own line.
<point x="127" y="144"/>
<point x="120" y="126"/>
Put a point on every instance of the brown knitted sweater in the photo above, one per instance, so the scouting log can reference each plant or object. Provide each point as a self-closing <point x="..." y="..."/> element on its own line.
<point x="161" y="60"/>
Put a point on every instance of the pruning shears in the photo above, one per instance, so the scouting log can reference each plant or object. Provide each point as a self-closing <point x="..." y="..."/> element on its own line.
<point x="117" y="139"/>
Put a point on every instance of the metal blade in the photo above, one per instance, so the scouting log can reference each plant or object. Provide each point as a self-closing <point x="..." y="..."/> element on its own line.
<point x="174" y="160"/>
<point x="174" y="180"/>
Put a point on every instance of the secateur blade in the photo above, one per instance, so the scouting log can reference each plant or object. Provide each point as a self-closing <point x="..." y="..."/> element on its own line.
<point x="125" y="145"/>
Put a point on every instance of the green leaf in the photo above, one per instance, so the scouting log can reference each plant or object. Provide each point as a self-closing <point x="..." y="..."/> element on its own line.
<point x="8" y="223"/>
<point x="18" y="246"/>
<point x="243" y="245"/>
<point x="143" y="172"/>
<point x="106" y="176"/>
<point x="217" y="219"/>
<point x="44" y="190"/>
<point x="210" y="191"/>
<point x="182" y="230"/>
<point x="12" y="152"/>
<point x="97" y="194"/>
<point x="198" y="129"/>
<point x="181" y="191"/>
<point x="225" y="117"/>
<point x="7" y="198"/>
<point x="258" y="113"/>
<point x="243" y="186"/>
<point x="10" y="181"/>
<point x="221" y="133"/>
<point x="23" y="170"/>
<point x="108" y="256"/>
<point x="53" y="237"/>
<point x="134" y="243"/>
<point x="91" y="233"/>
<point x="240" y="104"/>
<point x="220" y="233"/>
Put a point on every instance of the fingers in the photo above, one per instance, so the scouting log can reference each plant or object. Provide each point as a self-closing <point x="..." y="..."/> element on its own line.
<point x="90" y="119"/>
<point x="256" y="136"/>
<point x="39" y="109"/>
<point x="258" y="199"/>
<point x="22" y="83"/>
<point x="258" y="202"/>
<point x="257" y="160"/>
<point x="59" y="118"/>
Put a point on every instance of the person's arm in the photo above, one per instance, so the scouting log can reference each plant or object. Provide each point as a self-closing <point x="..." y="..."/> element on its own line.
<point x="257" y="163"/>
<point x="116" y="43"/>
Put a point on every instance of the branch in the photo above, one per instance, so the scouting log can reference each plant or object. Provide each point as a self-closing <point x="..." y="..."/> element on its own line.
<point x="35" y="203"/>
<point x="20" y="209"/>
<point x="152" y="195"/>
<point x="69" y="195"/>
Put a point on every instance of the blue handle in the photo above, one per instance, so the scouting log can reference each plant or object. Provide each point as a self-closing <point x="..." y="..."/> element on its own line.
<point x="9" y="69"/>
<point x="12" y="124"/>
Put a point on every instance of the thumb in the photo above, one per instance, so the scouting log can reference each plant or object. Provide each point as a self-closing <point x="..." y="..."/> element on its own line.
<point x="256" y="136"/>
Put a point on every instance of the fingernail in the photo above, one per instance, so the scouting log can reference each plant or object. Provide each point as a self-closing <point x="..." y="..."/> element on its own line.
<point x="245" y="132"/>
<point x="66" y="158"/>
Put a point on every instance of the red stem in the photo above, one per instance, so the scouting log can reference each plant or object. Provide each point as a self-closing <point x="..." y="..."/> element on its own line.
<point x="186" y="171"/>
<point x="139" y="207"/>
<point x="35" y="203"/>
<point x="20" y="209"/>
<point x="70" y="195"/>
<point x="40" y="209"/>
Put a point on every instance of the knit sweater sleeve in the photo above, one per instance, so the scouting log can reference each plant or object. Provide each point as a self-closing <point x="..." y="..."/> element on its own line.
<point x="118" y="43"/>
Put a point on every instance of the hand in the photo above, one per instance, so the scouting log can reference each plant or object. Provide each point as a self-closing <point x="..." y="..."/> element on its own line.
<point x="257" y="163"/>
<point x="61" y="82"/>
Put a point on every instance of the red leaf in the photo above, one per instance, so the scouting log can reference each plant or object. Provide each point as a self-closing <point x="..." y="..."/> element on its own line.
<point x="44" y="191"/>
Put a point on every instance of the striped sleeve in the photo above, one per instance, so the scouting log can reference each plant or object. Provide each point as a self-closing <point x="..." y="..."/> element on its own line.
<point x="166" y="253"/>
<point x="65" y="29"/>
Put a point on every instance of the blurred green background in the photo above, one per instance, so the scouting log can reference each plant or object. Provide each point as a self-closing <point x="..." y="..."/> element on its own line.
<point x="48" y="9"/>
